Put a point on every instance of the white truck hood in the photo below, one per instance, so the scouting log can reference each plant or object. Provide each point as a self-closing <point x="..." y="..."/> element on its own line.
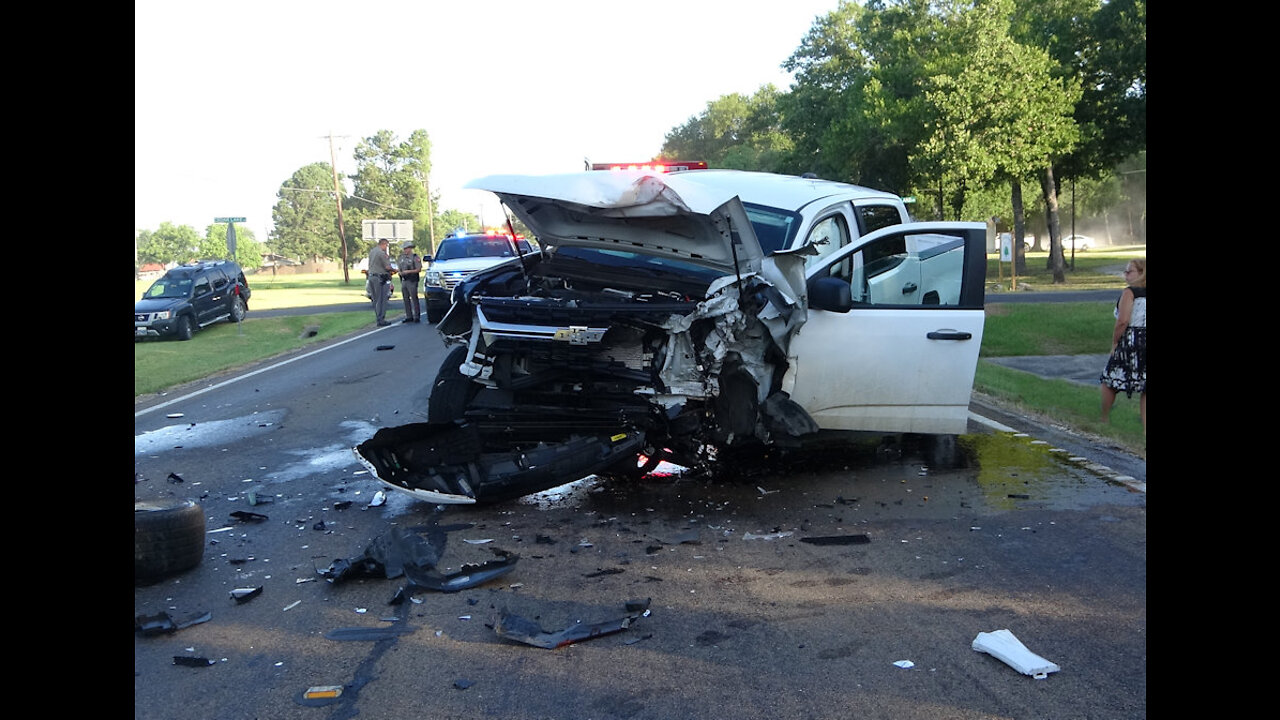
<point x="666" y="215"/>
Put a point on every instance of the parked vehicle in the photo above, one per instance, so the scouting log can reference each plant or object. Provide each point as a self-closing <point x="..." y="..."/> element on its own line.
<point x="655" y="325"/>
<point x="457" y="258"/>
<point x="191" y="297"/>
<point x="1081" y="243"/>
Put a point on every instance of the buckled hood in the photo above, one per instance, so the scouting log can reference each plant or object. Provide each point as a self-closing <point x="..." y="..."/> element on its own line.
<point x="665" y="215"/>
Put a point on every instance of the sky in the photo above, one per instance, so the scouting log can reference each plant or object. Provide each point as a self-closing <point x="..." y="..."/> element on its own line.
<point x="231" y="98"/>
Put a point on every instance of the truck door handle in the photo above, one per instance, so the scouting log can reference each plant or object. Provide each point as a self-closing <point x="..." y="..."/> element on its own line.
<point x="909" y="288"/>
<point x="949" y="335"/>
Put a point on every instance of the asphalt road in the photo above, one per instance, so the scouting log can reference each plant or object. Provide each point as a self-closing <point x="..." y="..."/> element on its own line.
<point x="851" y="584"/>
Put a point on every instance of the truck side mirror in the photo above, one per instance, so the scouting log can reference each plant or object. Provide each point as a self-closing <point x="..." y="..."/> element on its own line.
<point x="830" y="293"/>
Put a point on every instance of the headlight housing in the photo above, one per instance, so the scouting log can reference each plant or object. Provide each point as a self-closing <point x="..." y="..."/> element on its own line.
<point x="162" y="315"/>
<point x="433" y="278"/>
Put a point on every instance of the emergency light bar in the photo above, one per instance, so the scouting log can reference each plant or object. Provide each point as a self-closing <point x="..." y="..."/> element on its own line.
<point x="656" y="166"/>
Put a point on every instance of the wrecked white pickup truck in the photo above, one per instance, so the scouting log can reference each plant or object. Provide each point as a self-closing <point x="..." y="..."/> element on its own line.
<point x="653" y="326"/>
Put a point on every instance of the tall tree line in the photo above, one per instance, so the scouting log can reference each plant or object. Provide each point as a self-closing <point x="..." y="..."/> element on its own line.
<point x="960" y="104"/>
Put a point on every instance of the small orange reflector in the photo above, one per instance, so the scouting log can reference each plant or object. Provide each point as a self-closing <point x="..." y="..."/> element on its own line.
<point x="320" y="692"/>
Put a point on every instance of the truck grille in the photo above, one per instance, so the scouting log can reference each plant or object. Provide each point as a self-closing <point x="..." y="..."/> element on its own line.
<point x="450" y="280"/>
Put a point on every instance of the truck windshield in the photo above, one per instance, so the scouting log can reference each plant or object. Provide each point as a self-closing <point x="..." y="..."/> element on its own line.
<point x="169" y="288"/>
<point x="478" y="247"/>
<point x="774" y="227"/>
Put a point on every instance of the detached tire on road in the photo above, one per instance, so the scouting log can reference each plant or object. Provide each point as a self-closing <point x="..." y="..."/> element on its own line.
<point x="168" y="538"/>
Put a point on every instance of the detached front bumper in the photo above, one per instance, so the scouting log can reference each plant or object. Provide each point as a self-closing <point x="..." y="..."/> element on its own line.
<point x="458" y="464"/>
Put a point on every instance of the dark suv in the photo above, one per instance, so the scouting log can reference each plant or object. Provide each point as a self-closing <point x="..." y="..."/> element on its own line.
<point x="190" y="297"/>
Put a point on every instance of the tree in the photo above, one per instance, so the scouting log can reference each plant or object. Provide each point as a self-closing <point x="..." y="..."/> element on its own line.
<point x="392" y="182"/>
<point x="1003" y="117"/>
<point x="735" y="131"/>
<point x="248" y="249"/>
<point x="857" y="110"/>
<point x="306" y="216"/>
<point x="168" y="244"/>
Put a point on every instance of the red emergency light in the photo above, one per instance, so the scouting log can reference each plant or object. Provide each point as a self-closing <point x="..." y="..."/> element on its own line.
<point x="654" y="165"/>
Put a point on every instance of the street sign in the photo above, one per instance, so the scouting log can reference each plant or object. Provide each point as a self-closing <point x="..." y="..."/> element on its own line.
<point x="229" y="219"/>
<point x="908" y="199"/>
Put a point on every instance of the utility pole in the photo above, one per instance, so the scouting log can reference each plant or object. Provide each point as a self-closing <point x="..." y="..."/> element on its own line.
<point x="337" y="196"/>
<point x="431" y="219"/>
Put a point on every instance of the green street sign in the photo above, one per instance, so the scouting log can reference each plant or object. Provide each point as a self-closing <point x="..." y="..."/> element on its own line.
<point x="909" y="199"/>
<point x="229" y="219"/>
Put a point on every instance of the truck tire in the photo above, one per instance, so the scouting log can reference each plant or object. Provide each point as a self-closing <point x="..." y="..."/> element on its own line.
<point x="451" y="391"/>
<point x="168" y="538"/>
<point x="186" y="328"/>
<point x="238" y="310"/>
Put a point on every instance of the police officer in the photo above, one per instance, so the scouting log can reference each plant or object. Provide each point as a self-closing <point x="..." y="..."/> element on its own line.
<point x="380" y="272"/>
<point x="410" y="265"/>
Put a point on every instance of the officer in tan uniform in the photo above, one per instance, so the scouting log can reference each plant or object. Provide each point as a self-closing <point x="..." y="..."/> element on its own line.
<point x="410" y="266"/>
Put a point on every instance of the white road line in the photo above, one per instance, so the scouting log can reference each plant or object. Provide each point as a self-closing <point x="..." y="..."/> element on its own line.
<point x="237" y="378"/>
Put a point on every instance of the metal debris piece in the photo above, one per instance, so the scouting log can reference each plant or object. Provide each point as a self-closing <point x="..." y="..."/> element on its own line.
<point x="175" y="478"/>
<point x="244" y="595"/>
<point x="859" y="539"/>
<point x="246" y="516"/>
<point x="529" y="632"/>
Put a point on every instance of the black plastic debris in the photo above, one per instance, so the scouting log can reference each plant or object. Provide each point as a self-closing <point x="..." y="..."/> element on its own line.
<point x="244" y="595"/>
<point x="190" y="661"/>
<point x="175" y="478"/>
<point x="385" y="347"/>
<point x="162" y="624"/>
<point x="469" y="576"/>
<point x="604" y="571"/>
<point x="462" y="683"/>
<point x="859" y="539"/>
<point x="1019" y="496"/>
<point x="386" y="555"/>
<point x="529" y="632"/>
<point x="341" y="504"/>
<point x="246" y="516"/>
